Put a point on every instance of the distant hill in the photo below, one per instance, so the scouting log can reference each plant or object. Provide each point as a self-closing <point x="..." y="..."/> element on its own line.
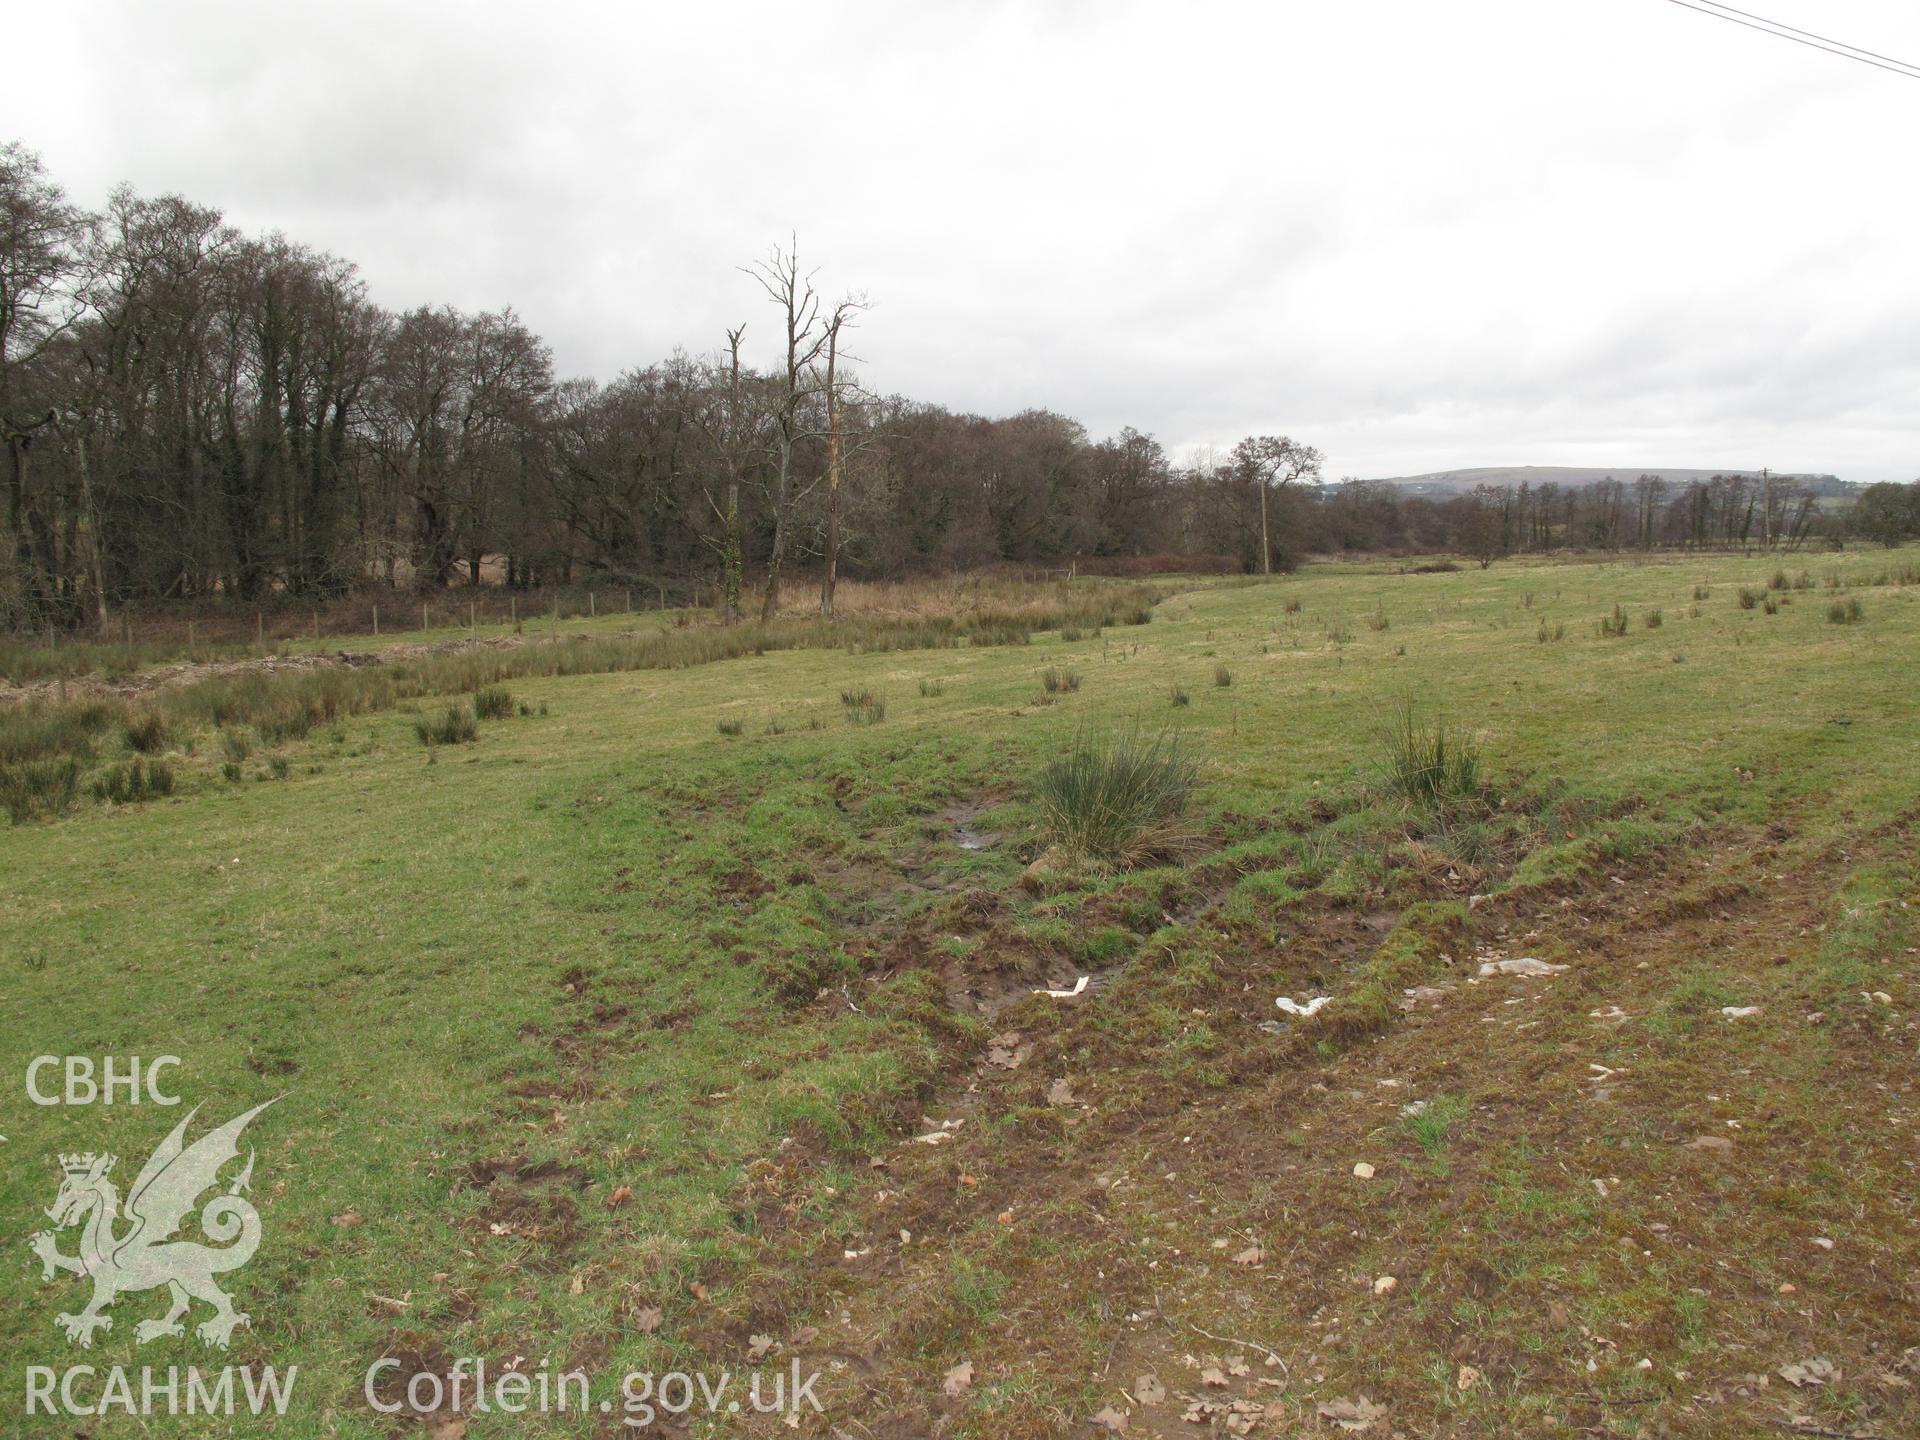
<point x="1454" y="482"/>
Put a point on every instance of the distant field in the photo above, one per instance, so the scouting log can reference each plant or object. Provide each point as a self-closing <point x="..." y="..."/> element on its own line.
<point x="604" y="1036"/>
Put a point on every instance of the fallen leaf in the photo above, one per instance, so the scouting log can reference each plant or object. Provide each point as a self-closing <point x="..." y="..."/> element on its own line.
<point x="957" y="1380"/>
<point x="451" y="1427"/>
<point x="1148" y="1390"/>
<point x="1466" y="1379"/>
<point x="348" y="1219"/>
<point x="1112" y="1420"/>
<point x="1815" y="1371"/>
<point x="758" y="1346"/>
<point x="1252" y="1255"/>
<point x="648" y="1320"/>
<point x="1352" y="1414"/>
<point x="805" y="1335"/>
<point x="1710" y="1142"/>
<point x="1213" y="1375"/>
<point x="621" y="1195"/>
<point x="698" y="1291"/>
<point x="1060" y="1092"/>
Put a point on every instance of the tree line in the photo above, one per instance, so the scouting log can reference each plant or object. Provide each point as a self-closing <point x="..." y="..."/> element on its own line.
<point x="190" y="412"/>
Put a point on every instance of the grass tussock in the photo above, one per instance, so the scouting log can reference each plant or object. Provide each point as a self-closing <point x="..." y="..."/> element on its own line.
<point x="139" y="779"/>
<point x="457" y="726"/>
<point x="1846" y="612"/>
<point x="38" y="789"/>
<point x="1118" y="798"/>
<point x="493" y="702"/>
<point x="1428" y="762"/>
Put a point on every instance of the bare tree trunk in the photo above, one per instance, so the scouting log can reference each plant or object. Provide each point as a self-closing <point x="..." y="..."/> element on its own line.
<point x="732" y="545"/>
<point x="95" y="558"/>
<point x="831" y="572"/>
<point x="1266" y="545"/>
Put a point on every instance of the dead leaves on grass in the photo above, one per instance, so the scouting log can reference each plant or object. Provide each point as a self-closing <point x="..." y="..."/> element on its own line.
<point x="1353" y="1415"/>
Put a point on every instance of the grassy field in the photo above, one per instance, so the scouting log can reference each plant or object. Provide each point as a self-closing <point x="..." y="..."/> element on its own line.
<point x="604" y="1038"/>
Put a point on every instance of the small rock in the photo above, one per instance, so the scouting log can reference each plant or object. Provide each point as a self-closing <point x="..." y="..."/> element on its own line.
<point x="1363" y="1171"/>
<point x="1385" y="1285"/>
<point x="1526" y="965"/>
<point x="1710" y="1142"/>
<point x="1739" y="1012"/>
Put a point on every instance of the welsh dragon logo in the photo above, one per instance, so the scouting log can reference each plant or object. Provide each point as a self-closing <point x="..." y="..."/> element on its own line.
<point x="146" y="1256"/>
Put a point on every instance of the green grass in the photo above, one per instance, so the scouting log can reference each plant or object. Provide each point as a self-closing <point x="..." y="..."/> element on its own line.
<point x="611" y="934"/>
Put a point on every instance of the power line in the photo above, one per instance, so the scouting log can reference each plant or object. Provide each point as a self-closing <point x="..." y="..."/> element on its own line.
<point x="1801" y="37"/>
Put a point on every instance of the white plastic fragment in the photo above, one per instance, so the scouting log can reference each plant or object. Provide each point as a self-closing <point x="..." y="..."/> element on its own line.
<point x="1312" y="1007"/>
<point x="1078" y="986"/>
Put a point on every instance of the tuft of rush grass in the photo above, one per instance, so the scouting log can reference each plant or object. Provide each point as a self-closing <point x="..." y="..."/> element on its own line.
<point x="1118" y="797"/>
<point x="493" y="702"/>
<point x="1428" y="761"/>
<point x="38" y="789"/>
<point x="1222" y="677"/>
<point x="139" y="779"/>
<point x="1846" y="612"/>
<point x="456" y="726"/>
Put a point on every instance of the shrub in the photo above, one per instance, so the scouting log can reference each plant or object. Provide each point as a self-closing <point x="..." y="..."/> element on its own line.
<point x="492" y="702"/>
<point x="135" y="781"/>
<point x="31" y="789"/>
<point x="1654" y="619"/>
<point x="731" y="727"/>
<point x="147" y="731"/>
<point x="456" y="727"/>
<point x="1179" y="696"/>
<point x="1846" y="612"/>
<point x="1428" y="762"/>
<point x="1222" y="676"/>
<point x="1119" y="798"/>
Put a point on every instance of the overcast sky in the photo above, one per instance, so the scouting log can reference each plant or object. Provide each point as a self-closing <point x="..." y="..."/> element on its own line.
<point x="1420" y="236"/>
